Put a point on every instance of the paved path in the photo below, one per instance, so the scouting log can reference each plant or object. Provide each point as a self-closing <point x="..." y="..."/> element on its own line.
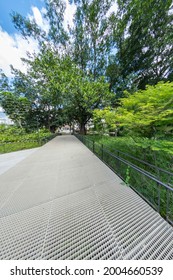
<point x="9" y="160"/>
<point x="62" y="202"/>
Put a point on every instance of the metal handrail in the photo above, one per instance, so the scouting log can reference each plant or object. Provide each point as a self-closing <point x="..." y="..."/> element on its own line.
<point x="160" y="185"/>
<point x="140" y="170"/>
<point x="156" y="168"/>
<point x="144" y="172"/>
<point x="145" y="162"/>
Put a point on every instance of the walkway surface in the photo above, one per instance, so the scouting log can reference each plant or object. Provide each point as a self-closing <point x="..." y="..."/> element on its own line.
<point x="62" y="202"/>
<point x="9" y="160"/>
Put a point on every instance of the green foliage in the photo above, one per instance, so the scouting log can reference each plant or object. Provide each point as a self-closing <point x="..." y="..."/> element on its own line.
<point x="148" y="113"/>
<point x="105" y="119"/>
<point x="143" y="184"/>
<point x="54" y="91"/>
<point x="17" y="146"/>
<point x="156" y="152"/>
<point x="16" y="107"/>
<point x="65" y="82"/>
<point x="91" y="36"/>
<point x="142" y="35"/>
<point x="83" y="96"/>
<point x="127" y="177"/>
<point x="13" y="138"/>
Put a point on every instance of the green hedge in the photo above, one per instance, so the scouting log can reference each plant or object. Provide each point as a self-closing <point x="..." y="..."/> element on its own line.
<point x="14" y="139"/>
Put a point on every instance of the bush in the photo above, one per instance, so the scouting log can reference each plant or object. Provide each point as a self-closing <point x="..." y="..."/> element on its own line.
<point x="156" y="152"/>
<point x="13" y="138"/>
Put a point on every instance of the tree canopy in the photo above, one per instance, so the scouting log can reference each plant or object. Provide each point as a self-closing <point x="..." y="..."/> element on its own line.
<point x="147" y="113"/>
<point x="143" y="38"/>
<point x="86" y="66"/>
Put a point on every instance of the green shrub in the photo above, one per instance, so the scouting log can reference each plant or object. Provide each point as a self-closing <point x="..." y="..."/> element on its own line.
<point x="13" y="138"/>
<point x="156" y="152"/>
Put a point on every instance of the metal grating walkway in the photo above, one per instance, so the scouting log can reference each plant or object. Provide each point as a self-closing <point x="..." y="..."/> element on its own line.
<point x="62" y="202"/>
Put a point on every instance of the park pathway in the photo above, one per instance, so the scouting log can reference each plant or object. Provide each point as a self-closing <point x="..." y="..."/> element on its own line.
<point x="62" y="202"/>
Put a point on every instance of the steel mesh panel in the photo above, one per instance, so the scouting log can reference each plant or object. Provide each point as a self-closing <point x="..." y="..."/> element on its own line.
<point x="78" y="210"/>
<point x="22" y="234"/>
<point x="30" y="193"/>
<point x="135" y="223"/>
<point x="7" y="190"/>
<point x="79" y="230"/>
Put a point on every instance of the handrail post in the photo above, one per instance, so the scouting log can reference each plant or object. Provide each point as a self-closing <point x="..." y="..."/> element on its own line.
<point x="167" y="203"/>
<point x="118" y="163"/>
<point x="102" y="152"/>
<point x="158" y="186"/>
<point x="93" y="146"/>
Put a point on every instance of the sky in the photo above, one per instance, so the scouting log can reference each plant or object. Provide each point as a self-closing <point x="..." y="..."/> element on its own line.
<point x="21" y="6"/>
<point x="12" y="44"/>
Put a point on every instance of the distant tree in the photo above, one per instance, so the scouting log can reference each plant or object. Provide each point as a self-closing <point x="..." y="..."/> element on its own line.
<point x="15" y="107"/>
<point x="83" y="96"/>
<point x="4" y="82"/>
<point x="105" y="119"/>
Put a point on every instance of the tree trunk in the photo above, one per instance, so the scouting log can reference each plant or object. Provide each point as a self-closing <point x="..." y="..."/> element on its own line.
<point x="82" y="128"/>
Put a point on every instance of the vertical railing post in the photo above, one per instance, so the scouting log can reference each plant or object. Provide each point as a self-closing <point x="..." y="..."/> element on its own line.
<point x="167" y="204"/>
<point x="158" y="187"/>
<point x="102" y="152"/>
<point x="118" y="163"/>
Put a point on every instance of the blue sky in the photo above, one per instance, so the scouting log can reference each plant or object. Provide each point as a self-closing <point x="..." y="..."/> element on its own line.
<point x="21" y="6"/>
<point x="13" y="47"/>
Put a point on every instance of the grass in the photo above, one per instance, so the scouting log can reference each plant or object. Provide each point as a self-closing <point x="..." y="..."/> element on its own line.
<point x="15" y="139"/>
<point x="17" y="146"/>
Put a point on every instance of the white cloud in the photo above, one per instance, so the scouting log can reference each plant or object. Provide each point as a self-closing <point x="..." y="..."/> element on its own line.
<point x="69" y="13"/>
<point x="38" y="16"/>
<point x="12" y="49"/>
<point x="113" y="9"/>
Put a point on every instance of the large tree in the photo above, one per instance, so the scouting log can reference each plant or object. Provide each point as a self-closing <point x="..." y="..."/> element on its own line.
<point x="91" y="35"/>
<point x="40" y="87"/>
<point x="131" y="47"/>
<point x="142" y="32"/>
<point x="57" y="91"/>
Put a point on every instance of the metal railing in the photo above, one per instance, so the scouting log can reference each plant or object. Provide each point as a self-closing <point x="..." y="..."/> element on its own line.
<point x="156" y="171"/>
<point x="157" y="193"/>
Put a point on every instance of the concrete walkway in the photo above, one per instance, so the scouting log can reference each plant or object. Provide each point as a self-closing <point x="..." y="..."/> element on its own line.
<point x="9" y="160"/>
<point x="62" y="202"/>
